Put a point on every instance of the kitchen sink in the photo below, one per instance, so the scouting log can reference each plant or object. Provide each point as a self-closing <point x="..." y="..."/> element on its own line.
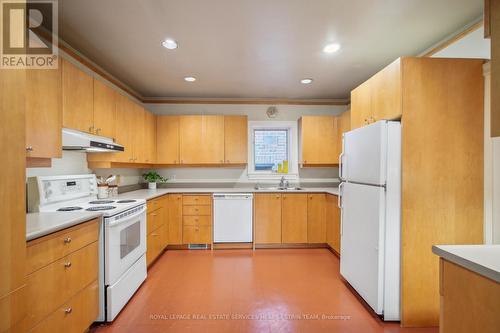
<point x="276" y="188"/>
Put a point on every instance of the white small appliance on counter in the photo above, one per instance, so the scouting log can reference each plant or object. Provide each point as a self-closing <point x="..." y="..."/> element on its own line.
<point x="122" y="254"/>
<point x="233" y="216"/>
<point x="370" y="202"/>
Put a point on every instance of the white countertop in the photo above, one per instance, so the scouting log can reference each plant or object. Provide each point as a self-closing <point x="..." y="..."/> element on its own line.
<point x="481" y="259"/>
<point x="41" y="224"/>
<point x="150" y="194"/>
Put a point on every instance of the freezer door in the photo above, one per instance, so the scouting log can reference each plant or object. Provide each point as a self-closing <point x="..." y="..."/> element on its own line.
<point x="365" y="154"/>
<point x="362" y="235"/>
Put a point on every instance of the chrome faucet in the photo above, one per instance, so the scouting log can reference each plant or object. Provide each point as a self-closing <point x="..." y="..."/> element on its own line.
<point x="283" y="183"/>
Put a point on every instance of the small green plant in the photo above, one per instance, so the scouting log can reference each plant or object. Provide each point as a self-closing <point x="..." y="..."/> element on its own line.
<point x="154" y="177"/>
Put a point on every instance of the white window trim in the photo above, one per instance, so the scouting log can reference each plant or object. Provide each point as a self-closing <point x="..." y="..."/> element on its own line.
<point x="293" y="165"/>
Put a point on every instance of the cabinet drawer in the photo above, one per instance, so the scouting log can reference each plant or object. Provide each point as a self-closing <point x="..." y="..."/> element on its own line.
<point x="196" y="199"/>
<point x="155" y="244"/>
<point x="197" y="210"/>
<point x="152" y="205"/>
<point x="154" y="220"/>
<point x="45" y="250"/>
<point x="194" y="220"/>
<point x="197" y="235"/>
<point x="76" y="315"/>
<point x="51" y="286"/>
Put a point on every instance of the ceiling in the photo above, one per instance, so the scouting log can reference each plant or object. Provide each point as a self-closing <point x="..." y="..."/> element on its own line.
<point x="255" y="48"/>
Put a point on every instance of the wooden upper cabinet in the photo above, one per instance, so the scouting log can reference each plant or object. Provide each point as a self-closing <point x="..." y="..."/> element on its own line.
<point x="235" y="139"/>
<point x="343" y="126"/>
<point x="124" y="121"/>
<point x="494" y="14"/>
<point x="294" y="218"/>
<point x="267" y="208"/>
<point x="167" y="139"/>
<point x="386" y="92"/>
<point x="77" y="93"/>
<point x="139" y="150"/>
<point x="104" y="109"/>
<point x="150" y="135"/>
<point x="44" y="113"/>
<point x="202" y="139"/>
<point x="361" y="100"/>
<point x="316" y="218"/>
<point x="318" y="140"/>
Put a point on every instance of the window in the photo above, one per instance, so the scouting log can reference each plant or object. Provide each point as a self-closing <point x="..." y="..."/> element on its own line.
<point x="270" y="148"/>
<point x="271" y="143"/>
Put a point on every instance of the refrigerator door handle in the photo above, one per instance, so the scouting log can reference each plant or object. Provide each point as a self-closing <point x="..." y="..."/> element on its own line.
<point x="339" y="198"/>
<point x="340" y="165"/>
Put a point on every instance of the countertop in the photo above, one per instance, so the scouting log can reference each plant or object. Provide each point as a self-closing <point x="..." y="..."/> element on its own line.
<point x="151" y="194"/>
<point x="41" y="224"/>
<point x="481" y="259"/>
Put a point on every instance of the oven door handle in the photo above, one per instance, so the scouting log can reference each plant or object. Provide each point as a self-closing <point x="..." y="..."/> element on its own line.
<point x="112" y="222"/>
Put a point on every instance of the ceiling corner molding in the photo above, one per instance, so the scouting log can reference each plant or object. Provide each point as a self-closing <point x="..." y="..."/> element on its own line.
<point x="470" y="28"/>
<point x="256" y="101"/>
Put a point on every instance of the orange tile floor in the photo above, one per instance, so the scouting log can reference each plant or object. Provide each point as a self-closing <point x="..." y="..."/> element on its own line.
<point x="248" y="291"/>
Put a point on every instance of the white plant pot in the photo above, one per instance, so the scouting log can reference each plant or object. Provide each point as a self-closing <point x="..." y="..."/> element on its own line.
<point x="152" y="186"/>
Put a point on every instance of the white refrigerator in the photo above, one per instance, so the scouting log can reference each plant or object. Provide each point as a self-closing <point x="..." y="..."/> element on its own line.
<point x="371" y="215"/>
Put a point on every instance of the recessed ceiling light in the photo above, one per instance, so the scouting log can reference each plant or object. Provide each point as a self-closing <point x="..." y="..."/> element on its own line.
<point x="306" y="81"/>
<point x="170" y="44"/>
<point x="331" y="48"/>
<point x="189" y="79"/>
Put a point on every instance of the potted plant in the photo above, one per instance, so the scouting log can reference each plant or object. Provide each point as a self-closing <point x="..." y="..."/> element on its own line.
<point x="152" y="178"/>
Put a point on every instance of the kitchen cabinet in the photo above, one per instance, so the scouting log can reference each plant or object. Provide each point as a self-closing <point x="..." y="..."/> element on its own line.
<point x="267" y="218"/>
<point x="44" y="113"/>
<point x="197" y="218"/>
<point x="175" y="219"/>
<point x="316" y="218"/>
<point x="150" y="137"/>
<point x="235" y="139"/>
<point x="104" y="109"/>
<point x="202" y="139"/>
<point x="138" y="134"/>
<point x="294" y="218"/>
<point x="60" y="271"/>
<point x="344" y="125"/>
<point x="78" y="96"/>
<point x="333" y="222"/>
<point x="125" y="124"/>
<point x="167" y="139"/>
<point x="318" y="140"/>
<point x="493" y="9"/>
<point x="361" y="99"/>
<point x="13" y="304"/>
<point x="157" y="227"/>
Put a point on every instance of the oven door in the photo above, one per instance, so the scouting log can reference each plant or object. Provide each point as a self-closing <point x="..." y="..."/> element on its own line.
<point x="125" y="242"/>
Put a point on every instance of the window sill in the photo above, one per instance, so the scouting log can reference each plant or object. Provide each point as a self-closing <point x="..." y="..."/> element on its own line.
<point x="272" y="176"/>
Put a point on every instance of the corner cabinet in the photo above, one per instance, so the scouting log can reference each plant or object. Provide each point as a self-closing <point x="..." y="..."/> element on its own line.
<point x="318" y="140"/>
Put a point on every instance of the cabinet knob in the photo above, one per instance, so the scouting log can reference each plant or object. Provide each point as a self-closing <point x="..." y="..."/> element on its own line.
<point x="67" y="264"/>
<point x="29" y="148"/>
<point x="97" y="130"/>
<point x="91" y="129"/>
<point x="68" y="310"/>
<point x="277" y="196"/>
<point x="67" y="240"/>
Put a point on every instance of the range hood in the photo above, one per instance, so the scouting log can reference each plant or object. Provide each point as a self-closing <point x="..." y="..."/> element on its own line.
<point x="88" y="143"/>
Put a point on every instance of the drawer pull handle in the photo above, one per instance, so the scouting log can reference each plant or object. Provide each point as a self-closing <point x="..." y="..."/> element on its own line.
<point x="67" y="264"/>
<point x="67" y="240"/>
<point x="68" y="310"/>
<point x="154" y="214"/>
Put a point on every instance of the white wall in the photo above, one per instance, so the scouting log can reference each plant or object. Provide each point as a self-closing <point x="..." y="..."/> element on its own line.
<point x="473" y="45"/>
<point x="254" y="112"/>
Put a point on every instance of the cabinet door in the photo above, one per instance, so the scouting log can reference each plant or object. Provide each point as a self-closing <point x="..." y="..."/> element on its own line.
<point x="175" y="219"/>
<point x="386" y="93"/>
<point x="44" y="112"/>
<point x="104" y="110"/>
<point x="333" y="222"/>
<point x="235" y="139"/>
<point x="167" y="139"/>
<point x="267" y="218"/>
<point x="316" y="218"/>
<point x="124" y="121"/>
<point x="361" y="105"/>
<point x="318" y="136"/>
<point x="150" y="137"/>
<point x="78" y="96"/>
<point x="202" y="139"/>
<point x="164" y="207"/>
<point x="138" y="134"/>
<point x="294" y="218"/>
<point x="154" y="244"/>
<point x="344" y="125"/>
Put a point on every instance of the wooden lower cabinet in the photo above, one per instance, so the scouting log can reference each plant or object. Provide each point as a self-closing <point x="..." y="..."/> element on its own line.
<point x="175" y="219"/>
<point x="157" y="227"/>
<point x="267" y="218"/>
<point x="294" y="218"/>
<point x="332" y="222"/>
<point x="155" y="244"/>
<point x="197" y="219"/>
<point x="197" y="234"/>
<point x="61" y="287"/>
<point x="76" y="315"/>
<point x="316" y="218"/>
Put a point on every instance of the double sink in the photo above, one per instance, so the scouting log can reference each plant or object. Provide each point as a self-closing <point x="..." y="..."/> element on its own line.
<point x="277" y="188"/>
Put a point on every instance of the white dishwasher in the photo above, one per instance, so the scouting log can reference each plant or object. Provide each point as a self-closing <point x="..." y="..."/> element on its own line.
<point x="233" y="217"/>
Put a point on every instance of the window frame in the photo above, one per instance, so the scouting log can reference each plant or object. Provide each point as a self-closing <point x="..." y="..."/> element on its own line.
<point x="293" y="166"/>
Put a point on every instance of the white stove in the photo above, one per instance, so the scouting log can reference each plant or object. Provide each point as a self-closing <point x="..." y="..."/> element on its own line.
<point x="123" y="233"/>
